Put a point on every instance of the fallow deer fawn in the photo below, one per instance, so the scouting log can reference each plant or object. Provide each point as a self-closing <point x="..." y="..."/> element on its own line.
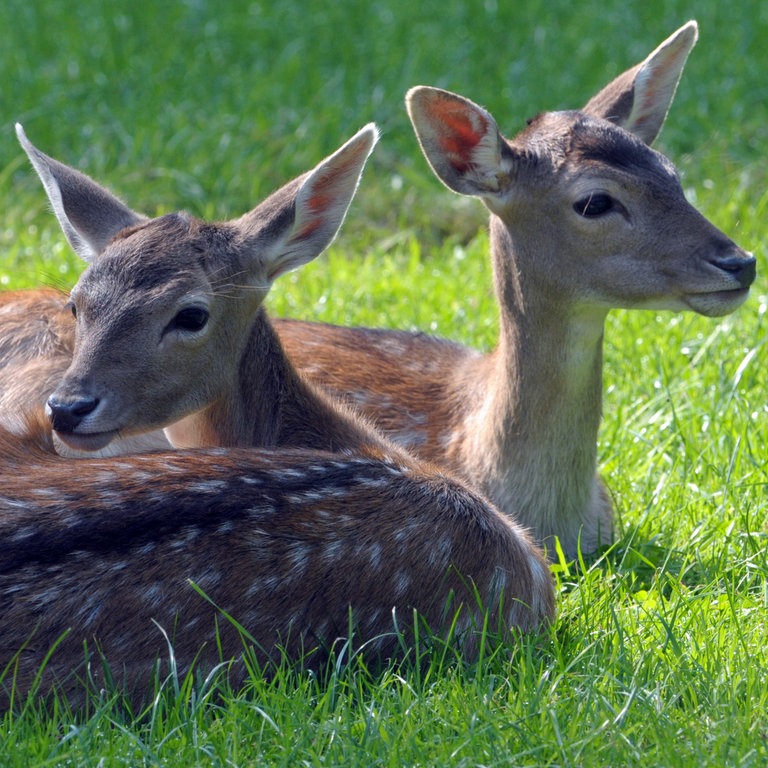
<point x="584" y="217"/>
<point x="325" y="525"/>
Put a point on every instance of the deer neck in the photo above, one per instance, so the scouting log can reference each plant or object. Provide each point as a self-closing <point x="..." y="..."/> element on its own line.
<point x="539" y="421"/>
<point x="268" y="404"/>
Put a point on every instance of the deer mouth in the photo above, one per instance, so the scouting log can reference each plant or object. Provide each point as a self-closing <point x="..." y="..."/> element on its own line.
<point x="87" y="441"/>
<point x="717" y="303"/>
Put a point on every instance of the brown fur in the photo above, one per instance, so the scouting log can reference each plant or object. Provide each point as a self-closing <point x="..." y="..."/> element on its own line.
<point x="326" y="517"/>
<point x="286" y="543"/>
<point x="521" y="423"/>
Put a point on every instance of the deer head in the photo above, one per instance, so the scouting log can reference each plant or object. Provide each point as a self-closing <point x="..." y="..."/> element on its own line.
<point x="166" y="304"/>
<point x="588" y="212"/>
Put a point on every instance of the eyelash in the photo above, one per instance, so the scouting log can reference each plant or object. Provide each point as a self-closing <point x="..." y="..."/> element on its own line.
<point x="594" y="206"/>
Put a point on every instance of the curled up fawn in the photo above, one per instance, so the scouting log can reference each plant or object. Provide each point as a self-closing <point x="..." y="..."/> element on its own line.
<point x="310" y="525"/>
<point x="584" y="217"/>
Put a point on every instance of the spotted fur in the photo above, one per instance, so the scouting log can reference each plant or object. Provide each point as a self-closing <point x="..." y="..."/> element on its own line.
<point x="321" y="521"/>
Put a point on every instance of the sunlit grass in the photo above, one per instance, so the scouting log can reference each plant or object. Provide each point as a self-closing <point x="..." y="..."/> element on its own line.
<point x="658" y="655"/>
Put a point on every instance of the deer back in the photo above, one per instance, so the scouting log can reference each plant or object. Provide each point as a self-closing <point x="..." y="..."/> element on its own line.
<point x="205" y="553"/>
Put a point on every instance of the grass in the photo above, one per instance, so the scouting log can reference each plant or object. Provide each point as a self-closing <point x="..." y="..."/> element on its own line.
<point x="658" y="654"/>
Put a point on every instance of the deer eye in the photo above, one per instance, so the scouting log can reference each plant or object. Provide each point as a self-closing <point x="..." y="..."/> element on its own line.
<point x="72" y="308"/>
<point x="594" y="205"/>
<point x="190" y="319"/>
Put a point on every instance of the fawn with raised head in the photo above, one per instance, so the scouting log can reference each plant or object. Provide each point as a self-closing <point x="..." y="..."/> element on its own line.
<point x="584" y="217"/>
<point x="325" y="526"/>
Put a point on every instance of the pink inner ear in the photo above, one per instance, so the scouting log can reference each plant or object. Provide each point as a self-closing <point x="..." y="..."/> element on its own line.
<point x="317" y="204"/>
<point x="322" y="194"/>
<point x="458" y="134"/>
<point x="310" y="227"/>
<point x="319" y="201"/>
<point x="326" y="189"/>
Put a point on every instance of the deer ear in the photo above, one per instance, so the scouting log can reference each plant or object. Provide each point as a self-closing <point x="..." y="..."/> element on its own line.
<point x="89" y="215"/>
<point x="638" y="100"/>
<point x="299" y="221"/>
<point x="460" y="140"/>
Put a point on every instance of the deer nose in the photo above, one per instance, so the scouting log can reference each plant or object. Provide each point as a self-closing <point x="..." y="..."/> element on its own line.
<point x="67" y="412"/>
<point x="742" y="266"/>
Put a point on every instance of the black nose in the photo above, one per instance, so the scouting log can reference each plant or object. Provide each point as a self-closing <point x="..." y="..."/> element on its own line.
<point x="66" y="413"/>
<point x="742" y="266"/>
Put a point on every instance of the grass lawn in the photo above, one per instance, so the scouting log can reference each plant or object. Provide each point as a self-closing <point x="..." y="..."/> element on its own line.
<point x="658" y="655"/>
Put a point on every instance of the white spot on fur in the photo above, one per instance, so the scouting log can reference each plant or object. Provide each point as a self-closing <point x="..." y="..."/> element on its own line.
<point x="14" y="503"/>
<point x="298" y="559"/>
<point x="261" y="510"/>
<point x="193" y="622"/>
<point x="373" y="483"/>
<point x="186" y="537"/>
<point x="146" y="549"/>
<point x="90" y="609"/>
<point x="306" y="497"/>
<point x="409" y="438"/>
<point x="45" y="492"/>
<point x="25" y="532"/>
<point x="373" y="618"/>
<point x="153" y="596"/>
<point x="332" y="551"/>
<point x="401" y="535"/>
<point x="296" y="474"/>
<point x="269" y="583"/>
<point x="448" y="439"/>
<point x="440" y="554"/>
<point x="209" y="486"/>
<point x="45" y="599"/>
<point x="402" y="583"/>
<point x="374" y="556"/>
<point x="208" y="580"/>
<point x="294" y="619"/>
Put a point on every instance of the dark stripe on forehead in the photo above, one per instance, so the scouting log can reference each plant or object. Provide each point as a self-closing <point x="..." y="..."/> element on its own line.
<point x="605" y="143"/>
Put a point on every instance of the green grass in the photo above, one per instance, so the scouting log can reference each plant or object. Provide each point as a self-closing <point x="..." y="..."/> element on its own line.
<point x="658" y="656"/>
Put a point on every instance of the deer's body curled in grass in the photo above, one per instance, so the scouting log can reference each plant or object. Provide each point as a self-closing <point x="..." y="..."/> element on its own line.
<point x="584" y="217"/>
<point x="322" y="518"/>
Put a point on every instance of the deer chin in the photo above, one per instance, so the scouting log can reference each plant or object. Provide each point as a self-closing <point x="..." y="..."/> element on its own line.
<point x="86" y="442"/>
<point x="717" y="303"/>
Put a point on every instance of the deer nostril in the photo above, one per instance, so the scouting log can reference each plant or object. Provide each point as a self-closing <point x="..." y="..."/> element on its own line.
<point x="743" y="267"/>
<point x="66" y="414"/>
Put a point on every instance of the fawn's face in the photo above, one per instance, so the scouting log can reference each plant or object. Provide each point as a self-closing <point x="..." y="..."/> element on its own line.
<point x="162" y="319"/>
<point x="597" y="217"/>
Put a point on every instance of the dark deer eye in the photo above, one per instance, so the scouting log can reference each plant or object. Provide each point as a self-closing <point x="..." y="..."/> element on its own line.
<point x="72" y="309"/>
<point x="190" y="319"/>
<point x="593" y="206"/>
